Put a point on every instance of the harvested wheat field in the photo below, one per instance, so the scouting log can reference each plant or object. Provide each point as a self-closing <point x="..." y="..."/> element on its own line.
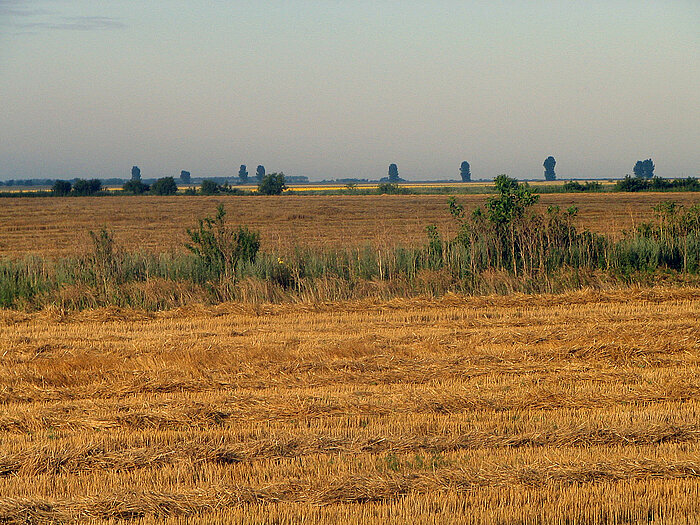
<point x="56" y="226"/>
<point x="575" y="408"/>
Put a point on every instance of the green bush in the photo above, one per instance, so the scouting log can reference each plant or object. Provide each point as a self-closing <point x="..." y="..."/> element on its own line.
<point x="391" y="188"/>
<point x="574" y="186"/>
<point x="83" y="188"/>
<point x="210" y="187"/>
<point x="164" y="186"/>
<point x="135" y="187"/>
<point x="272" y="184"/>
<point x="220" y="248"/>
<point x="631" y="184"/>
<point x="61" y="188"/>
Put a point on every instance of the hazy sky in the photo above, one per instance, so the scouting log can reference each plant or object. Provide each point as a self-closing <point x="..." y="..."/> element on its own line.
<point x="342" y="88"/>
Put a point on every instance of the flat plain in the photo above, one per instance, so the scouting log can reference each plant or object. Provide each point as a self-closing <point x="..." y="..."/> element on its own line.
<point x="59" y="226"/>
<point x="574" y="408"/>
<point x="581" y="407"/>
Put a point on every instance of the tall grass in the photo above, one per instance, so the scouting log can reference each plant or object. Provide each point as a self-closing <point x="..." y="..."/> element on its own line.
<point x="524" y="251"/>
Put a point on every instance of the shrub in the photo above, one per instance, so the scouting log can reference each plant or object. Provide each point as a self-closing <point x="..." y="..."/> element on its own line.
<point x="510" y="203"/>
<point x="135" y="187"/>
<point x="220" y="248"/>
<point x="391" y="188"/>
<point x="272" y="184"/>
<point x="164" y="186"/>
<point x="574" y="186"/>
<point x="209" y="187"/>
<point x="84" y="188"/>
<point x="631" y="184"/>
<point x="61" y="188"/>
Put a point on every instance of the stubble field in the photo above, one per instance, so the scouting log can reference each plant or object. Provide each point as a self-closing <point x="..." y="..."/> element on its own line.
<point x="59" y="226"/>
<point x="575" y="408"/>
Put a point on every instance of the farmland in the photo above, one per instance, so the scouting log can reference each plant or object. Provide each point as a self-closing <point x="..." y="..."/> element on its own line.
<point x="371" y="398"/>
<point x="578" y="408"/>
<point x="58" y="226"/>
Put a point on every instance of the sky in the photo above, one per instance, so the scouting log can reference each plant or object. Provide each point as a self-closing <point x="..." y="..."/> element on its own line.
<point x="342" y="88"/>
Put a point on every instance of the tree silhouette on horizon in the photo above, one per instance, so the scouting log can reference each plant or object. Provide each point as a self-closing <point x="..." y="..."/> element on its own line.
<point x="465" y="172"/>
<point x="549" y="164"/>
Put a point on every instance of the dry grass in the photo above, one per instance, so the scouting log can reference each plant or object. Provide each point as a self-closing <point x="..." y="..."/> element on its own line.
<point x="576" y="408"/>
<point x="52" y="226"/>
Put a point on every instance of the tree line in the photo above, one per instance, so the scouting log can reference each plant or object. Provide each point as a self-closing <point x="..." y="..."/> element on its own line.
<point x="644" y="179"/>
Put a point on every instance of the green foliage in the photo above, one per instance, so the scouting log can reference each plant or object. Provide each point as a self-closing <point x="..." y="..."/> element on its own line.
<point x="631" y="184"/>
<point x="220" y="248"/>
<point x="688" y="184"/>
<point x="22" y="281"/>
<point x="209" y="187"/>
<point x="135" y="187"/>
<point x="185" y="177"/>
<point x="102" y="260"/>
<point x="272" y="184"/>
<point x="464" y="172"/>
<point x="135" y="173"/>
<point x="164" y="186"/>
<point x="393" y="173"/>
<point x="243" y="173"/>
<point x="61" y="188"/>
<point x="434" y="249"/>
<point x="391" y="188"/>
<point x="260" y="173"/>
<point x="83" y="188"/>
<point x="506" y="236"/>
<point x="549" y="164"/>
<point x="511" y="202"/>
<point x="574" y="186"/>
<point x="644" y="169"/>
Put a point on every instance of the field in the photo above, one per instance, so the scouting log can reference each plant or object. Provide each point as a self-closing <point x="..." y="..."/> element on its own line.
<point x="431" y="407"/>
<point x="574" y="408"/>
<point x="58" y="226"/>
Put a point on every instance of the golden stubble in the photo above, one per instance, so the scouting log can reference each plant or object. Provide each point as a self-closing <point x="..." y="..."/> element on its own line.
<point x="582" y="406"/>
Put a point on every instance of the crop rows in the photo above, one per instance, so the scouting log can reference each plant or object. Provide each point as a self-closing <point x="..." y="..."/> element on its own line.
<point x="580" y="407"/>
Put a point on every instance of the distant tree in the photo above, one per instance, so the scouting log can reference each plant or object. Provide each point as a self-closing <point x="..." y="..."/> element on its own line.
<point x="243" y="173"/>
<point x="164" y="186"/>
<point x="185" y="177"/>
<point x="86" y="187"/>
<point x="272" y="184"/>
<point x="61" y="188"/>
<point x="648" y="169"/>
<point x="464" y="172"/>
<point x="393" y="173"/>
<point x="260" y="173"/>
<point x="135" y="173"/>
<point x="549" y="164"/>
<point x="638" y="169"/>
<point x="644" y="169"/>
<point x="135" y="186"/>
<point x="209" y="187"/>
